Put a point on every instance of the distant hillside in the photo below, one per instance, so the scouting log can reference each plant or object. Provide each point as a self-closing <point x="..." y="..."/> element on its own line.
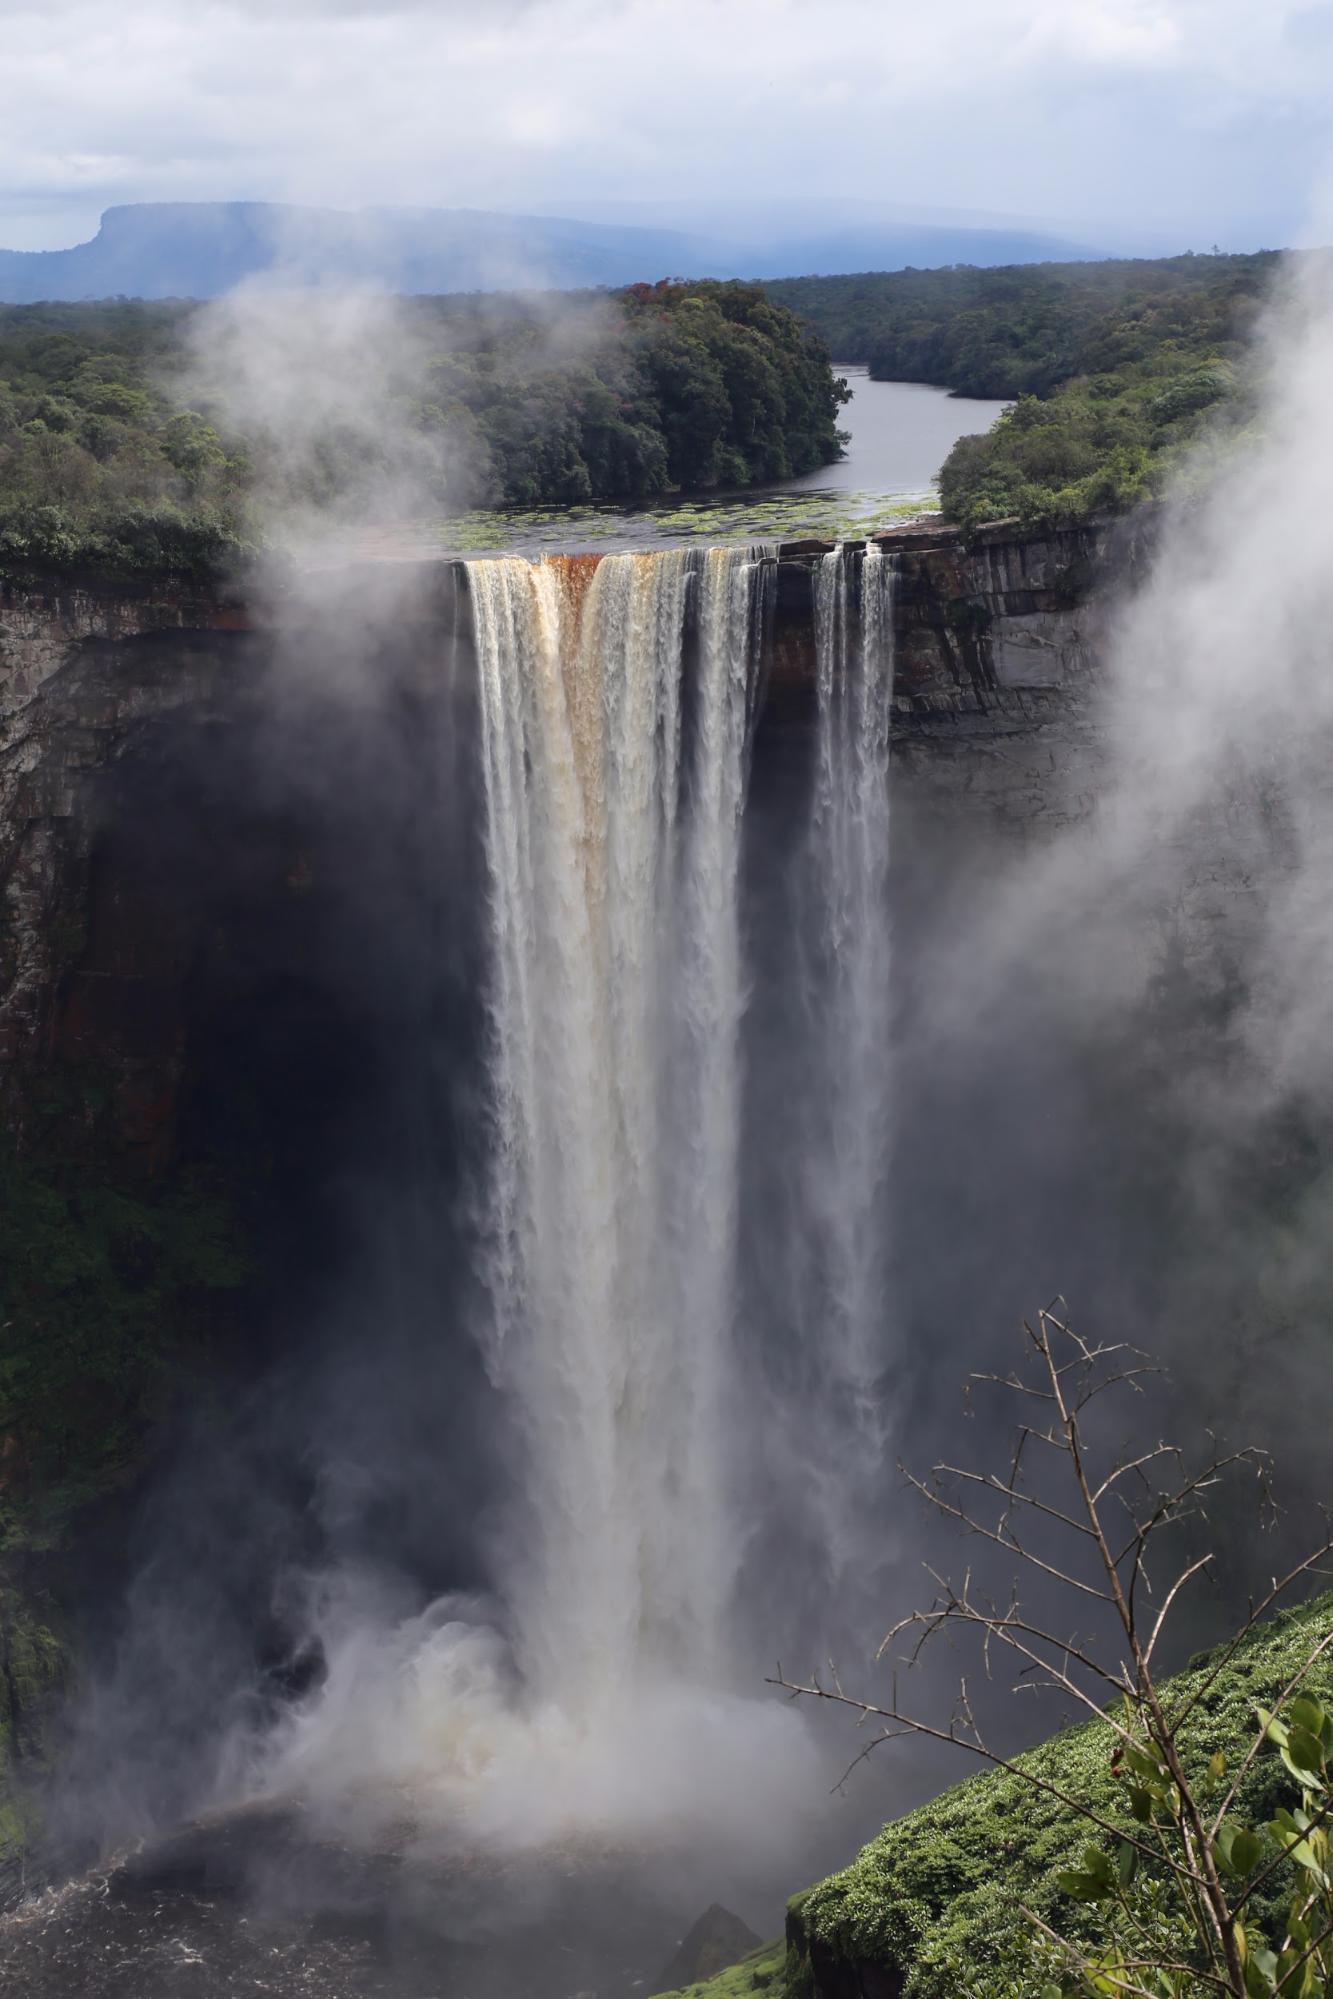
<point x="201" y="249"/>
<point x="1117" y="368"/>
<point x="1023" y="329"/>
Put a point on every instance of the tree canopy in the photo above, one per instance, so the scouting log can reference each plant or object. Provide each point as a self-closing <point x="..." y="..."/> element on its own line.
<point x="1114" y="367"/>
<point x="121" y="447"/>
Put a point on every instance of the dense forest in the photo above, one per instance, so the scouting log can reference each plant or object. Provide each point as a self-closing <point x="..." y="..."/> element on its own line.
<point x="1022" y="329"/>
<point x="124" y="445"/>
<point x="1115" y="367"/>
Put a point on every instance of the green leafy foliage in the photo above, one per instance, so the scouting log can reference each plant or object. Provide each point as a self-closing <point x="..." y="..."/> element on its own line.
<point x="762" y="1971"/>
<point x="937" y="1899"/>
<point x="1274" y="1877"/>
<point x="111" y="1290"/>
<point x="1022" y="329"/>
<point x="33" y="1671"/>
<point x="1114" y="368"/>
<point x="100" y="466"/>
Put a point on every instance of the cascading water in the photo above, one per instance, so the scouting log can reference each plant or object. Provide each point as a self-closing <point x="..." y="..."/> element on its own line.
<point x="617" y="703"/>
<point x="613" y="836"/>
<point x="848" y="934"/>
<point x="818" y="1226"/>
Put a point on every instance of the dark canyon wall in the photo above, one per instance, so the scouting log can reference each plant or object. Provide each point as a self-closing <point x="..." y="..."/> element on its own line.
<point x="997" y="646"/>
<point x="216" y="859"/>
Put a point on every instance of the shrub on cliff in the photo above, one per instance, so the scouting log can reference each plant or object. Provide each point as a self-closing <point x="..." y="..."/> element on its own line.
<point x="1173" y="1846"/>
<point x="938" y="1897"/>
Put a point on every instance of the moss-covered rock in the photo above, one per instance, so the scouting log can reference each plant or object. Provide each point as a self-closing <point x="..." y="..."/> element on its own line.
<point x="108" y="1298"/>
<point x="108" y="1293"/>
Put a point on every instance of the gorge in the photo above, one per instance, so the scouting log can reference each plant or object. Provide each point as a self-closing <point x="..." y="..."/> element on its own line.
<point x="136" y="728"/>
<point x="666" y="992"/>
<point x="513" y="1414"/>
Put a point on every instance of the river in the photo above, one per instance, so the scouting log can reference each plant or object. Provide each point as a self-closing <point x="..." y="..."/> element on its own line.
<point x="899" y="434"/>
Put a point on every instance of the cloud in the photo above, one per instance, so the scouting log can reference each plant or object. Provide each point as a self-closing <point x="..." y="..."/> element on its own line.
<point x="1310" y="29"/>
<point x="435" y="102"/>
<point x="1097" y="33"/>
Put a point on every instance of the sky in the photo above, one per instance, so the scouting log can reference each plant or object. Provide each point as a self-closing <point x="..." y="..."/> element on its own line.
<point x="1185" y="121"/>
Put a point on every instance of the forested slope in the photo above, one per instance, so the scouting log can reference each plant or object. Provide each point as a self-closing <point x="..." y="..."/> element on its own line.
<point x="1115" y="367"/>
<point x="1022" y="329"/>
<point x="123" y="447"/>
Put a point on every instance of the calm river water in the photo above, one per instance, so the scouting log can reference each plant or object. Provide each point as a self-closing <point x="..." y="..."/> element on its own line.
<point x="900" y="434"/>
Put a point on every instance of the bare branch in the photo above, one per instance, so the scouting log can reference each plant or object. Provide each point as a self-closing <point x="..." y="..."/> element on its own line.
<point x="905" y="1724"/>
<point x="1257" y="1613"/>
<point x="1181" y="1582"/>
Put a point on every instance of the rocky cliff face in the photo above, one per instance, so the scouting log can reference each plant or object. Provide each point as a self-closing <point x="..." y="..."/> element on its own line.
<point x="997" y="650"/>
<point x="81" y="673"/>
<point x="184" y="777"/>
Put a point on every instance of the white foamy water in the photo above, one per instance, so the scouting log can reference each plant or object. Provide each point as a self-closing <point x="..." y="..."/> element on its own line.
<point x="613" y="837"/>
<point x="617" y="703"/>
<point x="848" y="927"/>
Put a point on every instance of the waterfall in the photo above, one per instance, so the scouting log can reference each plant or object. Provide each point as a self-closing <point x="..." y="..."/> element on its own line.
<point x="691" y="1386"/>
<point x="844" y="1150"/>
<point x="850" y="857"/>
<point x="614" y="791"/>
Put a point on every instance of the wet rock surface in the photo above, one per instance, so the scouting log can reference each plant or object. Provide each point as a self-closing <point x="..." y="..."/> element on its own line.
<point x="256" y="1902"/>
<point x="168" y="871"/>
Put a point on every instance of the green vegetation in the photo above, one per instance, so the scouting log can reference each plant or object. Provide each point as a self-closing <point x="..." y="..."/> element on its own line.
<point x="101" y="467"/>
<point x="938" y="1896"/>
<point x="840" y="516"/>
<point x="33" y="1669"/>
<point x="1115" y="367"/>
<point x="763" y="1970"/>
<point x="940" y="1892"/>
<point x="110" y="1292"/>
<point x="1100" y="444"/>
<point x="1264" y="1927"/>
<point x="1022" y="329"/>
<point x="1176" y="1844"/>
<point x="127" y="446"/>
<point x="102" y="1289"/>
<point x="109" y="1283"/>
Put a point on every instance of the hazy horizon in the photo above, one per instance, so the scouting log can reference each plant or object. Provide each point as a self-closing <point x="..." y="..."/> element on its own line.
<point x="755" y="229"/>
<point x="1153" y="124"/>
